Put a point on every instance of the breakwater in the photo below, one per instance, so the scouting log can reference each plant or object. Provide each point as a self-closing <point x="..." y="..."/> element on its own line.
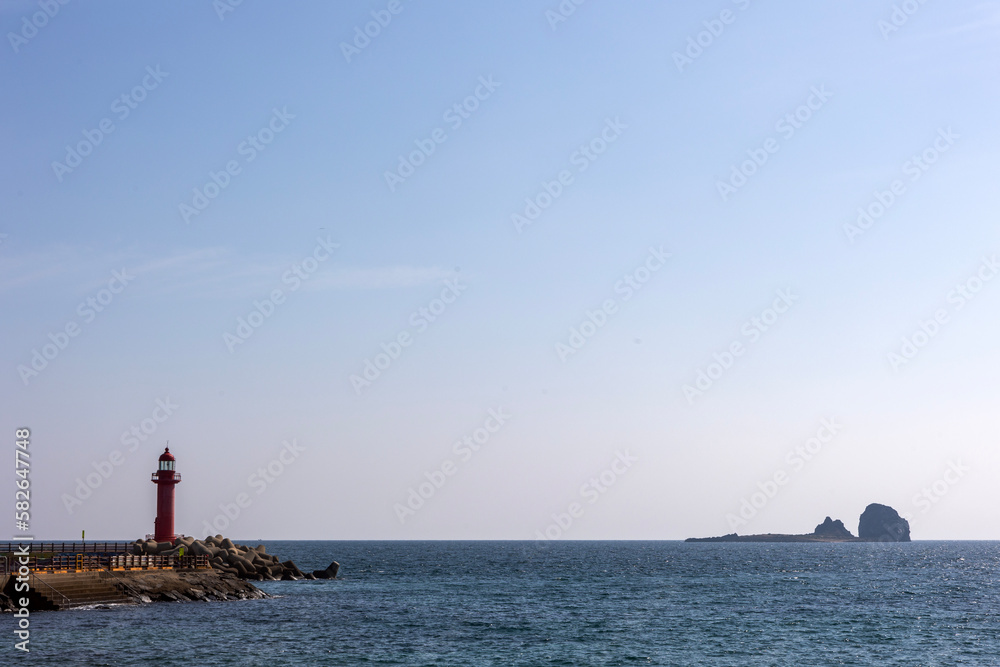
<point x="245" y="562"/>
<point x="62" y="575"/>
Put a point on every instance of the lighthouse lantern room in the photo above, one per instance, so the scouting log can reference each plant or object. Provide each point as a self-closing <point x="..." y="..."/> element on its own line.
<point x="165" y="478"/>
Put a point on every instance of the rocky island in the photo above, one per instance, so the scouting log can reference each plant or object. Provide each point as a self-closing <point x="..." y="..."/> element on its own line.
<point x="878" y="523"/>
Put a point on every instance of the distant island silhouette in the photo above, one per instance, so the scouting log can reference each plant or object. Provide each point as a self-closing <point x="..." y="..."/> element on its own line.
<point x="878" y="523"/>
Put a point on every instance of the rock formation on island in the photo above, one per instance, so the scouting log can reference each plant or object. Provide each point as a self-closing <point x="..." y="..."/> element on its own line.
<point x="831" y="528"/>
<point x="828" y="531"/>
<point x="878" y="523"/>
<point x="881" y="523"/>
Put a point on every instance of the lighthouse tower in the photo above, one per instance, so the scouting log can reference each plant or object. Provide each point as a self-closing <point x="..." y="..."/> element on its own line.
<point x="165" y="478"/>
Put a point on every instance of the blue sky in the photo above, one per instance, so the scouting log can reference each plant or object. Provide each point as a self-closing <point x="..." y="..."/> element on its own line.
<point x="916" y="435"/>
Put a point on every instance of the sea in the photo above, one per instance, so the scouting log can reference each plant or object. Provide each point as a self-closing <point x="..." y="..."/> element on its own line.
<point x="567" y="603"/>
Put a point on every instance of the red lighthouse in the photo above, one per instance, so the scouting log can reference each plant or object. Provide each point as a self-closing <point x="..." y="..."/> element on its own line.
<point x="165" y="478"/>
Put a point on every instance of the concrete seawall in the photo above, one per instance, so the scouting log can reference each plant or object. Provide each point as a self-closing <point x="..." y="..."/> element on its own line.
<point x="65" y="590"/>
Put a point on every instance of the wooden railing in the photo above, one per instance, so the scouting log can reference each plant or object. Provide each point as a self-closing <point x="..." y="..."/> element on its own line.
<point x="85" y="562"/>
<point x="66" y="547"/>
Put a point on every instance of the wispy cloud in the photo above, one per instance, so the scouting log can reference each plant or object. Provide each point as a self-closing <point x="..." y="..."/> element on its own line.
<point x="20" y="271"/>
<point x="198" y="273"/>
<point x="977" y="24"/>
<point x="986" y="17"/>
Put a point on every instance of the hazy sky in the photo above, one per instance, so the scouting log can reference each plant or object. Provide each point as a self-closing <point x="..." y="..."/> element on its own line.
<point x="602" y="271"/>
